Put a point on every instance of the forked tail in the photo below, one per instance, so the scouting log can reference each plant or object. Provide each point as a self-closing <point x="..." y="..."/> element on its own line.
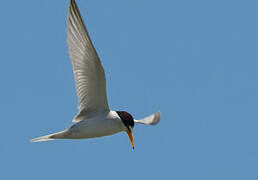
<point x="59" y="135"/>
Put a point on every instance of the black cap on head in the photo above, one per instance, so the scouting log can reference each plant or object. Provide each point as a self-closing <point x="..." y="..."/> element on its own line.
<point x="127" y="118"/>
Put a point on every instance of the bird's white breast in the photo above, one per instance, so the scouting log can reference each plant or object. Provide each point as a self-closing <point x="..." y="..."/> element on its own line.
<point x="103" y="124"/>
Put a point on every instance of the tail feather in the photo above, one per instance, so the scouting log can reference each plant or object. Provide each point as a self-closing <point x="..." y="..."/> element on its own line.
<point x="49" y="137"/>
<point x="42" y="138"/>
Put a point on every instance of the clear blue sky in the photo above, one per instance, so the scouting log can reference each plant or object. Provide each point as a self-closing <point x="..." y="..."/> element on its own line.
<point x="195" y="61"/>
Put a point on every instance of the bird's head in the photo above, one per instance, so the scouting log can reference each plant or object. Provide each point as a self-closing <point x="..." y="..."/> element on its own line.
<point x="128" y="121"/>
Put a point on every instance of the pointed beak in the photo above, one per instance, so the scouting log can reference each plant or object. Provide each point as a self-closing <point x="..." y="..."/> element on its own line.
<point x="130" y="134"/>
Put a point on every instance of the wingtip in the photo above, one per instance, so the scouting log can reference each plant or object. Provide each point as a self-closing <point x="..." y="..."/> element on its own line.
<point x="150" y="120"/>
<point x="157" y="118"/>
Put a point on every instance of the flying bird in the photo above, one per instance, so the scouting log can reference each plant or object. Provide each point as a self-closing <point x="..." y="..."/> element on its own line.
<point x="95" y="118"/>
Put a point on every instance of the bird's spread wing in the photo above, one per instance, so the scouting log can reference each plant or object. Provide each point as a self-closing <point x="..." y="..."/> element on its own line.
<point x="150" y="120"/>
<point x="88" y="69"/>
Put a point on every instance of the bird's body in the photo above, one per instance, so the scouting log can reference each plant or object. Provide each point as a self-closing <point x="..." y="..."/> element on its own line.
<point x="103" y="124"/>
<point x="95" y="119"/>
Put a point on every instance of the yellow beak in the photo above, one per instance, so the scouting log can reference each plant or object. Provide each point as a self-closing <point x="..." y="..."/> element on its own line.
<point x="130" y="134"/>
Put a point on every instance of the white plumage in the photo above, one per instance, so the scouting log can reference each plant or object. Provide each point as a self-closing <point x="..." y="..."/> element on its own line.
<point x="94" y="119"/>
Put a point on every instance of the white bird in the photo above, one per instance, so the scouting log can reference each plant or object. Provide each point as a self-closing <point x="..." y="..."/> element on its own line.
<point x="95" y="119"/>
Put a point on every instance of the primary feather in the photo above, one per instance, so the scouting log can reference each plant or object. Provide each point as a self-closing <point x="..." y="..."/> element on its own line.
<point x="150" y="120"/>
<point x="87" y="67"/>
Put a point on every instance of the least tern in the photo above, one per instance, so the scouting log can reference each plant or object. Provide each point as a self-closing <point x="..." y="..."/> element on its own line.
<point x="95" y="119"/>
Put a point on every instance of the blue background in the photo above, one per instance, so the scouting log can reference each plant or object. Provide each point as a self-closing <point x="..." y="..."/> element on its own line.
<point x="195" y="61"/>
